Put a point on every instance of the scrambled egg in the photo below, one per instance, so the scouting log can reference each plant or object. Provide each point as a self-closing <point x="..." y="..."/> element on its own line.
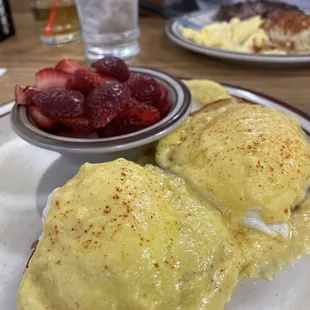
<point x="120" y="236"/>
<point x="253" y="164"/>
<point x="245" y="36"/>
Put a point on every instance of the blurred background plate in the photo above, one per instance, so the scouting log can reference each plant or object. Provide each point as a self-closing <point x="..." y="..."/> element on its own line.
<point x="204" y="18"/>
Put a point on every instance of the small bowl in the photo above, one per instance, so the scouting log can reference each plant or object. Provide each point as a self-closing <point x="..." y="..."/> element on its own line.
<point x="129" y="146"/>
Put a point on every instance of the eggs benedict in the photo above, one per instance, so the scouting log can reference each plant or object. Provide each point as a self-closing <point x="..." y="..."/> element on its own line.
<point x="253" y="163"/>
<point x="120" y="236"/>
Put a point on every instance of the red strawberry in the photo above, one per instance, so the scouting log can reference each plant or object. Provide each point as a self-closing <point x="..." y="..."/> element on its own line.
<point x="112" y="66"/>
<point x="68" y="65"/>
<point x="24" y="94"/>
<point x="41" y="120"/>
<point x="138" y="110"/>
<point x="134" y="117"/>
<point x="79" y="125"/>
<point x="69" y="133"/>
<point x="109" y="79"/>
<point x="84" y="80"/>
<point x="50" y="79"/>
<point x="60" y="104"/>
<point x="144" y="88"/>
<point x="163" y="106"/>
<point x="163" y="91"/>
<point x="19" y="94"/>
<point x="105" y="102"/>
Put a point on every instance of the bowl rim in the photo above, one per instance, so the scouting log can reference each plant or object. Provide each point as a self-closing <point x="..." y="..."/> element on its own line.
<point x="25" y="128"/>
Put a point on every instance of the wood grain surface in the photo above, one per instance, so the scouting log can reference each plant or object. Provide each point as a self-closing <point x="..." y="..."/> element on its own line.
<point x="19" y="5"/>
<point x="24" y="54"/>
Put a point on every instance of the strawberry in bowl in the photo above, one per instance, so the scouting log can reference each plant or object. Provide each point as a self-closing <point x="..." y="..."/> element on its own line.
<point x="108" y="107"/>
<point x="80" y="100"/>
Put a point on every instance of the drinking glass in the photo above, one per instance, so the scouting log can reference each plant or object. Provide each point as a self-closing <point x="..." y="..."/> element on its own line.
<point x="6" y="22"/>
<point x="56" y="20"/>
<point x="109" y="27"/>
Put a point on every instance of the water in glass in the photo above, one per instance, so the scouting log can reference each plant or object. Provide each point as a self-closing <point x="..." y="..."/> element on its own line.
<point x="109" y="27"/>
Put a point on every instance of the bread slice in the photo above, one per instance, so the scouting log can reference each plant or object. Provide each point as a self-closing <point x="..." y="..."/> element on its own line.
<point x="221" y="103"/>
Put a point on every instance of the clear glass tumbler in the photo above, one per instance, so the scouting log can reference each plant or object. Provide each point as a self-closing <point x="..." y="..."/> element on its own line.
<point x="57" y="21"/>
<point x="109" y="27"/>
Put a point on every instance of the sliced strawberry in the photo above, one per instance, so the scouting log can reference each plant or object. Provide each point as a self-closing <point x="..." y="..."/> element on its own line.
<point x="68" y="65"/>
<point x="19" y="94"/>
<point x="24" y="94"/>
<point x="79" y="125"/>
<point x="144" y="88"/>
<point x="109" y="79"/>
<point x="105" y="102"/>
<point x="41" y="120"/>
<point x="138" y="110"/>
<point x="135" y="116"/>
<point x="69" y="133"/>
<point x="163" y="91"/>
<point x="50" y="79"/>
<point x="84" y="80"/>
<point x="60" y="104"/>
<point x="163" y="106"/>
<point x="112" y="66"/>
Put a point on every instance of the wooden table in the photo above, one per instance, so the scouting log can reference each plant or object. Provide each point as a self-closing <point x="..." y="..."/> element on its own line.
<point x="23" y="55"/>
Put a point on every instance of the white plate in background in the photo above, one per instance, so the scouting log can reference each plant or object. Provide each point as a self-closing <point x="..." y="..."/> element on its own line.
<point x="204" y="18"/>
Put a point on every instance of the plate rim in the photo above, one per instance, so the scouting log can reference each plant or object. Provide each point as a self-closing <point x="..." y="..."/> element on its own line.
<point x="268" y="97"/>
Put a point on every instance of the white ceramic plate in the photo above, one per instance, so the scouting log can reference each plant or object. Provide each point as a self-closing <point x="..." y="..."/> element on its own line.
<point x="204" y="18"/>
<point x="28" y="174"/>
